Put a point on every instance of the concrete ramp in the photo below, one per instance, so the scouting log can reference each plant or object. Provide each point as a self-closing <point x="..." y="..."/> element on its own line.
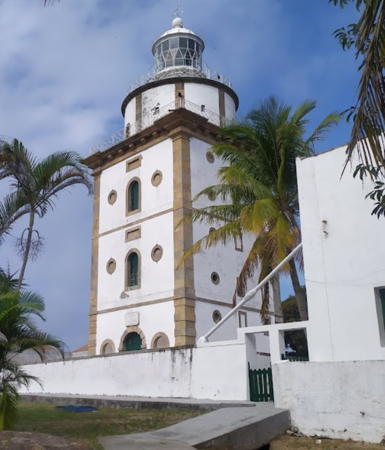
<point x="238" y="428"/>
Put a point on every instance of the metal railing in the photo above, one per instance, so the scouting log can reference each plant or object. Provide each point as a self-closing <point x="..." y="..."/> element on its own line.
<point x="250" y="294"/>
<point x="154" y="75"/>
<point x="156" y="113"/>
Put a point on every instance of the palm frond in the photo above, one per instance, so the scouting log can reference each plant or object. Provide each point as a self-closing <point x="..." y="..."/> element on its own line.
<point x="302" y="111"/>
<point x="12" y="207"/>
<point x="220" y="235"/>
<point x="326" y="124"/>
<point x="367" y="137"/>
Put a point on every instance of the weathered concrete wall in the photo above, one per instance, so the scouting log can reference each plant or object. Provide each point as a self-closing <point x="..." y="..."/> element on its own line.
<point x="343" y="400"/>
<point x="210" y="372"/>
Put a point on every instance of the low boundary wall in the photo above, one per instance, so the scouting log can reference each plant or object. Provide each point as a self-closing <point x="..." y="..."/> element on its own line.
<point x="216" y="372"/>
<point x="344" y="400"/>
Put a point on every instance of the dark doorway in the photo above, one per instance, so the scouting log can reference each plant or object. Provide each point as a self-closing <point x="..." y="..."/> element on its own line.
<point x="132" y="342"/>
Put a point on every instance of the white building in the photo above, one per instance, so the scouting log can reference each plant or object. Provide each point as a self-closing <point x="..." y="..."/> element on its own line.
<point x="340" y="391"/>
<point x="344" y="248"/>
<point x="141" y="295"/>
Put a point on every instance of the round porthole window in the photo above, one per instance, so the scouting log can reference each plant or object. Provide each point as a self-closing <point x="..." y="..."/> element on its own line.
<point x="111" y="266"/>
<point x="157" y="253"/>
<point x="215" y="278"/>
<point x="156" y="178"/>
<point x="210" y="157"/>
<point x="217" y="316"/>
<point x="112" y="196"/>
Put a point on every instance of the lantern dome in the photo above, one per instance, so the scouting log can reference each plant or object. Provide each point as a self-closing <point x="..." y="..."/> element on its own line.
<point x="178" y="50"/>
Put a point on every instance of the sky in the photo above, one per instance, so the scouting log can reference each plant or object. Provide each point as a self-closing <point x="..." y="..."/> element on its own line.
<point x="65" y="70"/>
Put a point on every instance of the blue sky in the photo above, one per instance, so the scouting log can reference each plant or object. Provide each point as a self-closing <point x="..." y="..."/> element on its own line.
<point x="64" y="71"/>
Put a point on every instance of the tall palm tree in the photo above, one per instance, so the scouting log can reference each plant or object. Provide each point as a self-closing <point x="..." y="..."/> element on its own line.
<point x="367" y="36"/>
<point x="18" y="334"/>
<point x="35" y="185"/>
<point x="258" y="188"/>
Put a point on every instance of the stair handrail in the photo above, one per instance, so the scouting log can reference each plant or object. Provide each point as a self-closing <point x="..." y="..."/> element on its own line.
<point x="250" y="294"/>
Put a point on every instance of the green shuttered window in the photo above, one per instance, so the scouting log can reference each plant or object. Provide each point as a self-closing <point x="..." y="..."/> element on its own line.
<point x="133" y="270"/>
<point x="133" y="196"/>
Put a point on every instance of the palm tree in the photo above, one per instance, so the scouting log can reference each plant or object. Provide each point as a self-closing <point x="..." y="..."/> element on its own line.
<point x="368" y="38"/>
<point x="11" y="209"/>
<point x="18" y="334"/>
<point x="258" y="188"/>
<point x="36" y="184"/>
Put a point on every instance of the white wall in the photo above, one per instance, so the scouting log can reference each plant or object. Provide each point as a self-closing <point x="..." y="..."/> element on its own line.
<point x="343" y="247"/>
<point x="154" y="199"/>
<point x="130" y="115"/>
<point x="223" y="259"/>
<point x="196" y="94"/>
<point x="156" y="278"/>
<point x="201" y="94"/>
<point x="160" y="96"/>
<point x="344" y="400"/>
<point x="230" y="107"/>
<point x="203" y="373"/>
<point x="153" y="319"/>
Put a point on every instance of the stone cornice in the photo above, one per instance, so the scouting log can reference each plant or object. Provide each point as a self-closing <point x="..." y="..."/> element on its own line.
<point x="180" y="120"/>
<point x="163" y="81"/>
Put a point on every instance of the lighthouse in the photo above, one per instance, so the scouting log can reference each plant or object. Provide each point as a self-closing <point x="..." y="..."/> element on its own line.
<point x="143" y="295"/>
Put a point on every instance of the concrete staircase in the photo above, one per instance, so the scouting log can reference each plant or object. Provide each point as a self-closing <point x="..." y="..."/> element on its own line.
<point x="231" y="428"/>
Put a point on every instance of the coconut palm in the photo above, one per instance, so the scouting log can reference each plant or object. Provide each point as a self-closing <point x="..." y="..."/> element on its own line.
<point x="18" y="334"/>
<point x="258" y="188"/>
<point x="35" y="185"/>
<point x="368" y="38"/>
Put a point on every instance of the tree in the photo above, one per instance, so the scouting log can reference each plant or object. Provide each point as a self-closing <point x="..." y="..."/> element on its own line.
<point x="295" y="338"/>
<point x="258" y="188"/>
<point x="35" y="185"/>
<point x="18" y="334"/>
<point x="367" y="37"/>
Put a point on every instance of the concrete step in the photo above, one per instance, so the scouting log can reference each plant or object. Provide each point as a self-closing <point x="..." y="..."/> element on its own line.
<point x="233" y="428"/>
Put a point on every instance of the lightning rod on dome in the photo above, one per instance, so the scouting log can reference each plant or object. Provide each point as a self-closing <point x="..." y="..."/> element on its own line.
<point x="178" y="15"/>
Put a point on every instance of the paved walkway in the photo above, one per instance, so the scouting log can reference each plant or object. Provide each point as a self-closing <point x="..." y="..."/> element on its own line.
<point x="238" y="428"/>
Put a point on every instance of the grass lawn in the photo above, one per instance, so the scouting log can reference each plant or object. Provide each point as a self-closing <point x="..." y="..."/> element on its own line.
<point x="87" y="426"/>
<point x="302" y="443"/>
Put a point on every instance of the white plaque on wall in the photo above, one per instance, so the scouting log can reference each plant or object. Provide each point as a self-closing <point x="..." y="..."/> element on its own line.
<point x="132" y="319"/>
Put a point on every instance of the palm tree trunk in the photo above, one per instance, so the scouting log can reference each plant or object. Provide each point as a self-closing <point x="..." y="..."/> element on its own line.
<point x="300" y="294"/>
<point x="277" y="299"/>
<point x="27" y="248"/>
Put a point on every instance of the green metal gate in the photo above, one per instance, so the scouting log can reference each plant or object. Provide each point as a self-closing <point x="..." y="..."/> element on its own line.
<point x="261" y="385"/>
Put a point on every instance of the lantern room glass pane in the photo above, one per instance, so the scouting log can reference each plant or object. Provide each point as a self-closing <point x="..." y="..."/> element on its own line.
<point x="174" y="43"/>
<point x="183" y="42"/>
<point x="178" y="51"/>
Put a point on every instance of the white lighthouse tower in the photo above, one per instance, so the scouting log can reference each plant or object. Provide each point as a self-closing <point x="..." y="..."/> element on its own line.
<point x="141" y="296"/>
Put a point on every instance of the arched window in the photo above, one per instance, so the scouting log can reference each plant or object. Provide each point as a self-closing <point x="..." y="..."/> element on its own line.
<point x="160" y="340"/>
<point x="132" y="270"/>
<point x="107" y="347"/>
<point x="133" y="196"/>
<point x="132" y="342"/>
